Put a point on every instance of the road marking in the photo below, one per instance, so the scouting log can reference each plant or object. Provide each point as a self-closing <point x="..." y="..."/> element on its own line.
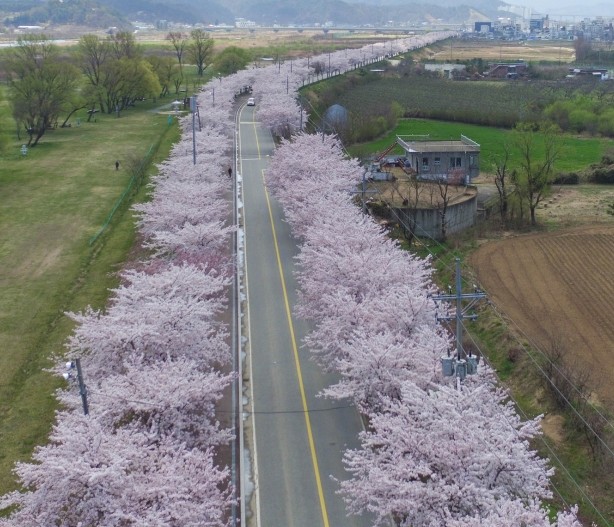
<point x="311" y="441"/>
<point x="297" y="363"/>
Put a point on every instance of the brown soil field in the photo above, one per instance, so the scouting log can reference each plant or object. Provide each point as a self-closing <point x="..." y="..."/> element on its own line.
<point x="557" y="287"/>
<point x="535" y="50"/>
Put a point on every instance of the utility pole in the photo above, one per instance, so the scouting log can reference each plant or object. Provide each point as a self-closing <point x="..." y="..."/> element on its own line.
<point x="193" y="108"/>
<point x="363" y="192"/>
<point x="460" y="365"/>
<point x="82" y="389"/>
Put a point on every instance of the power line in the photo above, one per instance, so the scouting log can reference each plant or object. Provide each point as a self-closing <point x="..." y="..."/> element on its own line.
<point x="609" y="424"/>
<point x="556" y="388"/>
<point x="508" y="320"/>
<point x="550" y="450"/>
<point x="259" y="412"/>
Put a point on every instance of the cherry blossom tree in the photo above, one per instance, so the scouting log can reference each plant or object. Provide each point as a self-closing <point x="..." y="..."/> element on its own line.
<point x="374" y="365"/>
<point x="436" y="455"/>
<point x="514" y="512"/>
<point x="157" y="317"/>
<point x="161" y="400"/>
<point x="145" y="454"/>
<point x="89" y="475"/>
<point x="175" y="203"/>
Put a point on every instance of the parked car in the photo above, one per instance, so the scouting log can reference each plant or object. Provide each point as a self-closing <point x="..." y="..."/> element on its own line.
<point x="251" y="101"/>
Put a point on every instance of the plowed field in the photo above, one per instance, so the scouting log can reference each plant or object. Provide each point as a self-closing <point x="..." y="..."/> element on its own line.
<point x="558" y="286"/>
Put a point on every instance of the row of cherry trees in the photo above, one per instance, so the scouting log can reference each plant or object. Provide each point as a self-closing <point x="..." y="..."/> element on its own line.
<point x="156" y="364"/>
<point x="154" y="358"/>
<point x="432" y="455"/>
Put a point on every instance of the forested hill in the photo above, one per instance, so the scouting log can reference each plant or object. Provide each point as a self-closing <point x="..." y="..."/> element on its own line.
<point x="107" y="13"/>
<point x="104" y="13"/>
<point x="68" y="12"/>
<point x="362" y="12"/>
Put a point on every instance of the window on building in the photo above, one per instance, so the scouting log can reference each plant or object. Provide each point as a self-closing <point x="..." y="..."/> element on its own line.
<point x="437" y="161"/>
<point x="455" y="162"/>
<point x="425" y="163"/>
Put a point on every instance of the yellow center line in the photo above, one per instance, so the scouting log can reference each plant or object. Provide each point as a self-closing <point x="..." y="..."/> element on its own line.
<point x="297" y="363"/>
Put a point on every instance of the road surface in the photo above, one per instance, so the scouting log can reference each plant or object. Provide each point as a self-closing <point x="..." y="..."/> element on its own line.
<point x="296" y="439"/>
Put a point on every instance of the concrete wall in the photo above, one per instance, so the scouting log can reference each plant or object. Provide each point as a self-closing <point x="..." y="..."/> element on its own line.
<point x="459" y="216"/>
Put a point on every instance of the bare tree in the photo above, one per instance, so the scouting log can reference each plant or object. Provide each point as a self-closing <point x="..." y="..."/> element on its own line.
<point x="318" y="67"/>
<point x="443" y="185"/>
<point x="123" y="45"/>
<point x="539" y="150"/>
<point x="200" y="50"/>
<point x="180" y="43"/>
<point x="582" y="48"/>
<point x="502" y="177"/>
<point x="572" y="387"/>
<point x="410" y="200"/>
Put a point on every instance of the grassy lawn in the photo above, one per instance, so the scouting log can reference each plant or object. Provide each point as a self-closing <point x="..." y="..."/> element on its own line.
<point x="576" y="152"/>
<point x="54" y="200"/>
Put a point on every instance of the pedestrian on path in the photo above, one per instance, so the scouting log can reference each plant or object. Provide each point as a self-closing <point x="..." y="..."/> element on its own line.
<point x="116" y="165"/>
<point x="230" y="172"/>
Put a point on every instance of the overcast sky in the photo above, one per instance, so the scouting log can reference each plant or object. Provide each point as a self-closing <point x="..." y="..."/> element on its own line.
<point x="588" y="8"/>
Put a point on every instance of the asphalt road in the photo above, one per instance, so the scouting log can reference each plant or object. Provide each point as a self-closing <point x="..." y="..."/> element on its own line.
<point x="298" y="439"/>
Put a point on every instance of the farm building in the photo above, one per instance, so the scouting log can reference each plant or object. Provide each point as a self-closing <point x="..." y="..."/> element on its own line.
<point x="456" y="162"/>
<point x="424" y="209"/>
<point x="598" y="73"/>
<point x="482" y="27"/>
<point x="507" y="70"/>
<point x="445" y="69"/>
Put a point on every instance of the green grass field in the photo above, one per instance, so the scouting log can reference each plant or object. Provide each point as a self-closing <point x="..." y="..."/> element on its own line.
<point x="54" y="200"/>
<point x="576" y="152"/>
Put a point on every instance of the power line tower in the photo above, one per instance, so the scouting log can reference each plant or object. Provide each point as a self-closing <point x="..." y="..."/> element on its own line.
<point x="460" y="364"/>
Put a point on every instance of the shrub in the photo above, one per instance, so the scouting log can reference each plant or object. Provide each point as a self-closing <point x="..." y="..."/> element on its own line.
<point x="582" y="119"/>
<point x="603" y="175"/>
<point x="570" y="178"/>
<point x="606" y="123"/>
<point x="608" y="157"/>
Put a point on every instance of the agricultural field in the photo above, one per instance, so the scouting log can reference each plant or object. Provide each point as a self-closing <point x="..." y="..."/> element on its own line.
<point x="577" y="152"/>
<point x="554" y="284"/>
<point x="554" y="51"/>
<point x="494" y="103"/>
<point x="554" y="291"/>
<point x="558" y="287"/>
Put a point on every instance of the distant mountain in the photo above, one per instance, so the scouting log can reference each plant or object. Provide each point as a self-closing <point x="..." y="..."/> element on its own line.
<point x="73" y="12"/>
<point x="105" y="13"/>
<point x="361" y="12"/>
<point x="101" y="13"/>
<point x="186" y="11"/>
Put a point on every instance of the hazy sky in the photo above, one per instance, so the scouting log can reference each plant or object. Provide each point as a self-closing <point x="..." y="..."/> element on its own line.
<point x="588" y="8"/>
